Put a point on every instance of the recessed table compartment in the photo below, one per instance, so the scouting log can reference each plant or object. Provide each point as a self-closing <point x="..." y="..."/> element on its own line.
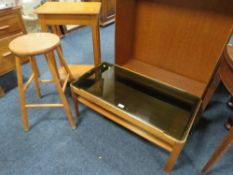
<point x="156" y="111"/>
<point x="154" y="104"/>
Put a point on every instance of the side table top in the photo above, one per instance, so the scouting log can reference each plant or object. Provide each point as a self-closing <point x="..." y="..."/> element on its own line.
<point x="81" y="8"/>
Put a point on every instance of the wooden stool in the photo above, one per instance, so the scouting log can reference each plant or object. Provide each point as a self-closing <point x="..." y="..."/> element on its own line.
<point x="35" y="44"/>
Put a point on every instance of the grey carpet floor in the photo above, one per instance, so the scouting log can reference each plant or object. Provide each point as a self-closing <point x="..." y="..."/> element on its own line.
<point x="97" y="146"/>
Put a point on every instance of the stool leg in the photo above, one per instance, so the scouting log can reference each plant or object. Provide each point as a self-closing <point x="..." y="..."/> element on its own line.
<point x="21" y="94"/>
<point x="49" y="58"/>
<point x="51" y="55"/>
<point x="63" y="62"/>
<point x="36" y="75"/>
<point x="36" y="67"/>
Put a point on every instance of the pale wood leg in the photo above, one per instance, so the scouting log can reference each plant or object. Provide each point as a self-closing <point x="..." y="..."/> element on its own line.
<point x="96" y="43"/>
<point x="228" y="140"/>
<point x="211" y="89"/>
<point x="52" y="56"/>
<point x="36" y="75"/>
<point x="36" y="67"/>
<point x="75" y="102"/>
<point x="44" y="28"/>
<point x="63" y="62"/>
<point x="50" y="61"/>
<point x="21" y="94"/>
<point x="56" y="30"/>
<point x="42" y="22"/>
<point x="173" y="157"/>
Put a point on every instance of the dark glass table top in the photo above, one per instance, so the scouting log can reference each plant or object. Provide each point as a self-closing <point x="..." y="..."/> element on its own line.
<point x="156" y="104"/>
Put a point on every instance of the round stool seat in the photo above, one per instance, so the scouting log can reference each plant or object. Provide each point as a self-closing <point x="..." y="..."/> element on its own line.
<point x="34" y="44"/>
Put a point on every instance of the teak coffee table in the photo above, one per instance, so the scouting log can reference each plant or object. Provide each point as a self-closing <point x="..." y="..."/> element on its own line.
<point x="158" y="112"/>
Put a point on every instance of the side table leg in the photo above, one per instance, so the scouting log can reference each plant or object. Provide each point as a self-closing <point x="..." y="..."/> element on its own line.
<point x="63" y="62"/>
<point x="75" y="102"/>
<point x="42" y="22"/>
<point x="96" y="42"/>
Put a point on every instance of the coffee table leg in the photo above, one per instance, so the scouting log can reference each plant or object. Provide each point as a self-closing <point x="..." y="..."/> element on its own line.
<point x="75" y="102"/>
<point x="173" y="156"/>
<point x="1" y="91"/>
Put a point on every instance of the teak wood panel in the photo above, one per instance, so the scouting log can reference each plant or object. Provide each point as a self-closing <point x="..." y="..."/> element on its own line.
<point x="164" y="76"/>
<point x="124" y="29"/>
<point x="183" y="37"/>
<point x="11" y="22"/>
<point x="11" y="26"/>
<point x="108" y="9"/>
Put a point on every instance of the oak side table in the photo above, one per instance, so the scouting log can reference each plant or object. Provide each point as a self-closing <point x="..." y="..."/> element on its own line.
<point x="71" y="13"/>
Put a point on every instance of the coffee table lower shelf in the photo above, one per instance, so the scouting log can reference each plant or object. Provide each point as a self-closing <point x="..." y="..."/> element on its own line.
<point x="173" y="146"/>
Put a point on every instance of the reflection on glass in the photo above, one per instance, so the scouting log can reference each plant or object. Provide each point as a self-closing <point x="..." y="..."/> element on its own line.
<point x="149" y="101"/>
